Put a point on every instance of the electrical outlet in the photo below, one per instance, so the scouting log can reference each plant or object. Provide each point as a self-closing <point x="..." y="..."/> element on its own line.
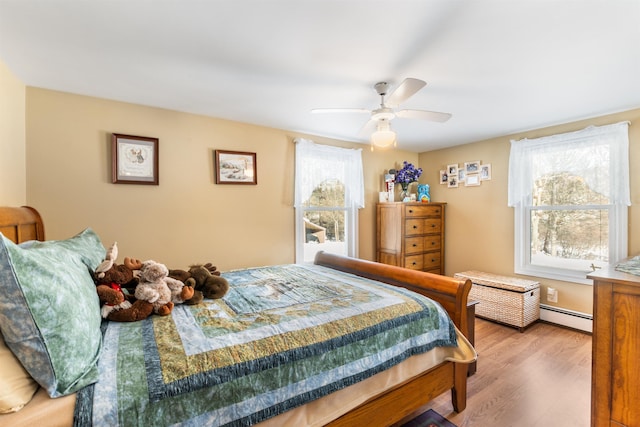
<point x="552" y="295"/>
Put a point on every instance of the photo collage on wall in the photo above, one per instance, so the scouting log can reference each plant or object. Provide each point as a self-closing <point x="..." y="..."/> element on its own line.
<point x="470" y="174"/>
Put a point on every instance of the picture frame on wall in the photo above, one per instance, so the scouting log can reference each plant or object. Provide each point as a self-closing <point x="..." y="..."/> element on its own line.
<point x="485" y="172"/>
<point x="236" y="167"/>
<point x="134" y="159"/>
<point x="444" y="178"/>
<point x="472" y="167"/>
<point x="472" y="180"/>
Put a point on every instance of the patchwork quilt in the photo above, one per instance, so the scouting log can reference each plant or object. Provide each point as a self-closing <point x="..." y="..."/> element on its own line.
<point x="281" y="337"/>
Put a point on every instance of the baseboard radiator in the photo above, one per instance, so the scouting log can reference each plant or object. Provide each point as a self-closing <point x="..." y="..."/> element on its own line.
<point x="568" y="318"/>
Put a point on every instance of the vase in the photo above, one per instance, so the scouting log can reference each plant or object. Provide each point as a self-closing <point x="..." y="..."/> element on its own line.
<point x="404" y="194"/>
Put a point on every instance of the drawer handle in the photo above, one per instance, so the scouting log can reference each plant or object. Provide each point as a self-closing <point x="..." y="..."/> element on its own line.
<point x="415" y="226"/>
<point x="410" y="210"/>
<point x="433" y="226"/>
<point x="414" y="245"/>
<point x="433" y="243"/>
<point x="433" y="260"/>
<point x="413" y="263"/>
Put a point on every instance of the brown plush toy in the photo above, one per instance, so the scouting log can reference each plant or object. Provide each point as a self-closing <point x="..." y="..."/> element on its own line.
<point x="211" y="285"/>
<point x="110" y="279"/>
<point x="180" y="293"/>
<point x="185" y="277"/>
<point x="153" y="288"/>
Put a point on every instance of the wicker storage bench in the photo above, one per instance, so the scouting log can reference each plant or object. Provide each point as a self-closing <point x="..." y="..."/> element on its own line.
<point x="508" y="300"/>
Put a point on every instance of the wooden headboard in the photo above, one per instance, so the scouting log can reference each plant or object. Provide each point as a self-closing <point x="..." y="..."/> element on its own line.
<point x="21" y="224"/>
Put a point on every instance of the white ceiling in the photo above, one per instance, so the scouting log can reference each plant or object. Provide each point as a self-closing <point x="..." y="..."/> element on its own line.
<point x="499" y="66"/>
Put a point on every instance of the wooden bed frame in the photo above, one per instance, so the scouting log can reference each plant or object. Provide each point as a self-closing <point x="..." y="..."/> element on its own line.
<point x="25" y="223"/>
<point x="395" y="404"/>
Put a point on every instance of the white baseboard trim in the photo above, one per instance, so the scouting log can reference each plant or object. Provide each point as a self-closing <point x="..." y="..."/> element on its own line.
<point x="568" y="318"/>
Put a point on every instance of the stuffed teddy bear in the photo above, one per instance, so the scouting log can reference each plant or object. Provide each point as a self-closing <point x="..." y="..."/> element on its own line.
<point x="110" y="279"/>
<point x="211" y="285"/>
<point x="153" y="288"/>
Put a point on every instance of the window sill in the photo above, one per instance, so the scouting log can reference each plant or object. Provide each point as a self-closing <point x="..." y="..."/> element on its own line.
<point x="572" y="276"/>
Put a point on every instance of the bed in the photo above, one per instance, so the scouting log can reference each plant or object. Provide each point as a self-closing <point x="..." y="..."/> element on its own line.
<point x="372" y="377"/>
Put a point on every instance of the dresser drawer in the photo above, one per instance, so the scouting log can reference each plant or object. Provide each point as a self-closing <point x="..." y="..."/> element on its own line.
<point x="432" y="225"/>
<point x="422" y="210"/>
<point x="431" y="260"/>
<point x="413" y="227"/>
<point x="431" y="242"/>
<point x="413" y="262"/>
<point x="414" y="244"/>
<point x="428" y="261"/>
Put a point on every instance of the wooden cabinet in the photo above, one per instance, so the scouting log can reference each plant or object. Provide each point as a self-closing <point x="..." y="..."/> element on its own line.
<point x="411" y="235"/>
<point x="615" y="377"/>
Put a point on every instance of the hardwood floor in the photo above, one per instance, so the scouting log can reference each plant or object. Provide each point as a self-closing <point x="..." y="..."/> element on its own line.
<point x="538" y="378"/>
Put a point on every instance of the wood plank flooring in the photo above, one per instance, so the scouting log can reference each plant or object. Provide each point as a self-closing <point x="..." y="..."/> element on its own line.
<point x="538" y="378"/>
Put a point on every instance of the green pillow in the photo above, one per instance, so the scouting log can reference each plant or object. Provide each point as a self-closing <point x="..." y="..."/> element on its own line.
<point x="49" y="309"/>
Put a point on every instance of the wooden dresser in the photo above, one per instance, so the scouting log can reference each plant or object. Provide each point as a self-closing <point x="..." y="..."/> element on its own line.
<point x="615" y="376"/>
<point x="411" y="235"/>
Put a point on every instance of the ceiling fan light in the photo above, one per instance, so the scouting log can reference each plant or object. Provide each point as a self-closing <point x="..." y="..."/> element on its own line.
<point x="383" y="138"/>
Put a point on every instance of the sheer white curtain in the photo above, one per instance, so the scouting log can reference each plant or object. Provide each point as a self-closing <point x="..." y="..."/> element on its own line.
<point x="573" y="152"/>
<point x="316" y="163"/>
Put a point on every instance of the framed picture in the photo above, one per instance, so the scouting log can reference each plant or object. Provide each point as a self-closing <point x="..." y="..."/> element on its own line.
<point x="453" y="181"/>
<point x="444" y="178"/>
<point x="461" y="175"/>
<point x="236" y="167"/>
<point x="473" y="179"/>
<point x="134" y="159"/>
<point x="472" y="167"/>
<point x="485" y="172"/>
<point x="452" y="170"/>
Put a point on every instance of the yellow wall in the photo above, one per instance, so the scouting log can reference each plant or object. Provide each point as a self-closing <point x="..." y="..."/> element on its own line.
<point x="187" y="218"/>
<point x="13" y="189"/>
<point x="480" y="226"/>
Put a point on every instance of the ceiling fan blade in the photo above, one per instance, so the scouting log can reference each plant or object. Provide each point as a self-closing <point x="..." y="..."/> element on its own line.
<point x="368" y="129"/>
<point x="339" y="110"/>
<point x="406" y="90"/>
<point x="432" y="116"/>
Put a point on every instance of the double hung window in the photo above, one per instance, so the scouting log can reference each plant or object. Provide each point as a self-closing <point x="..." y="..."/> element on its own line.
<point x="570" y="193"/>
<point x="329" y="190"/>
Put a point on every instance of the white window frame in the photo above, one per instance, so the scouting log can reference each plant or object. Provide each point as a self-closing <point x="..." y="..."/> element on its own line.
<point x="521" y="190"/>
<point x="523" y="265"/>
<point x="353" y="186"/>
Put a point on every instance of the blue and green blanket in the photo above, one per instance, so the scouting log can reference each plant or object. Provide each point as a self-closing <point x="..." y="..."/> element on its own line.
<point x="281" y="337"/>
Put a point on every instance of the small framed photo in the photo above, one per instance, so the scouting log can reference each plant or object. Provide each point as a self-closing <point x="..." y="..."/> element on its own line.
<point x="134" y="159"/>
<point x="444" y="178"/>
<point x="473" y="179"/>
<point x="472" y="167"/>
<point x="485" y="172"/>
<point x="452" y="170"/>
<point x="461" y="175"/>
<point x="453" y="181"/>
<point x="236" y="167"/>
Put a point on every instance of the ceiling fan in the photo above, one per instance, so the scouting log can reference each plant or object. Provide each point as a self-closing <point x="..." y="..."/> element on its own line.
<point x="379" y="125"/>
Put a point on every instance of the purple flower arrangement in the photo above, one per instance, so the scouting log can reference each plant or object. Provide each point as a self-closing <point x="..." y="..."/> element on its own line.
<point x="408" y="174"/>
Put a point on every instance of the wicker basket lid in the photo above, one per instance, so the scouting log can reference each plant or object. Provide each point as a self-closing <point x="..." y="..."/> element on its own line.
<point x="497" y="281"/>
